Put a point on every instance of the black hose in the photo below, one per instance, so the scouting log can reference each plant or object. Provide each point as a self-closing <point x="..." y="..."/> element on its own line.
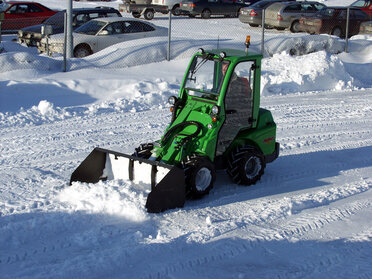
<point x="183" y="125"/>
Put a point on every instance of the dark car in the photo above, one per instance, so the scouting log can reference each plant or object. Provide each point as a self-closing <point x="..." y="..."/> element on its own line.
<point x="253" y="13"/>
<point x="16" y="15"/>
<point x="332" y="20"/>
<point x="364" y="5"/>
<point x="206" y="8"/>
<point x="32" y="34"/>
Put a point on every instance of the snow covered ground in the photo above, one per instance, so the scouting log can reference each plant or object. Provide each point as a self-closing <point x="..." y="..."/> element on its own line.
<point x="308" y="217"/>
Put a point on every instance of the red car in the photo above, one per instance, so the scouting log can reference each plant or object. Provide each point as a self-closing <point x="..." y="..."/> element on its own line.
<point x="364" y="5"/>
<point x="16" y="15"/>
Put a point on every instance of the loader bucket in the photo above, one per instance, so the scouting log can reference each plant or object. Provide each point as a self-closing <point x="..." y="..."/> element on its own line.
<point x="167" y="182"/>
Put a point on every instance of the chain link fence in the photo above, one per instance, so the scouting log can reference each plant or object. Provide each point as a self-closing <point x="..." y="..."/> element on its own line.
<point x="271" y="32"/>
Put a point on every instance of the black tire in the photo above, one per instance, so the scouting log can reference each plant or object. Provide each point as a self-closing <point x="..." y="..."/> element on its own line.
<point x="253" y="25"/>
<point x="294" y="26"/>
<point x="200" y="175"/>
<point x="205" y="14"/>
<point x="136" y="14"/>
<point x="143" y="151"/>
<point x="246" y="165"/>
<point x="176" y="10"/>
<point x="82" y="51"/>
<point x="148" y="14"/>
<point x="337" y="32"/>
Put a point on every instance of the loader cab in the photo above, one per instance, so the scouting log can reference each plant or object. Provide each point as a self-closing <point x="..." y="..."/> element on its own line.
<point x="231" y="79"/>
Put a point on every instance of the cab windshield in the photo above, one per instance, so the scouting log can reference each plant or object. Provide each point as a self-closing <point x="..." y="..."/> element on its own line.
<point x="205" y="77"/>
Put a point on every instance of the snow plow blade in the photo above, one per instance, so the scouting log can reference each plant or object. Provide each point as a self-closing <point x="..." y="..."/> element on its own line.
<point x="167" y="182"/>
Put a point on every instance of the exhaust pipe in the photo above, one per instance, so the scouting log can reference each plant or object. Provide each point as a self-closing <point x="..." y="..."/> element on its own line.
<point x="168" y="188"/>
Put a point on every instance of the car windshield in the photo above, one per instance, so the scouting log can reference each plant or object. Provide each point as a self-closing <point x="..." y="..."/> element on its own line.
<point x="205" y="77"/>
<point x="56" y="19"/>
<point x="91" y="27"/>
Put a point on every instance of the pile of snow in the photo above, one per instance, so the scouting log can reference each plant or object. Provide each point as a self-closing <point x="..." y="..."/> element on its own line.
<point x="284" y="74"/>
<point x="123" y="199"/>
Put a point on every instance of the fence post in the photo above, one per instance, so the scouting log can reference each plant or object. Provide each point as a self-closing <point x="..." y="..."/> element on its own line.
<point x="64" y="44"/>
<point x="263" y="32"/>
<point x="68" y="29"/>
<point x="347" y="28"/>
<point x="169" y="35"/>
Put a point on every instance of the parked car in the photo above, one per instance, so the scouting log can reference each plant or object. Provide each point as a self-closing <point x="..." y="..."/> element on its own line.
<point x="364" y="5"/>
<point x="365" y="27"/>
<point x="332" y="20"/>
<point x="253" y="13"/>
<point x="282" y="15"/>
<point x="16" y="15"/>
<point x="32" y="34"/>
<point x="100" y="33"/>
<point x="206" y="8"/>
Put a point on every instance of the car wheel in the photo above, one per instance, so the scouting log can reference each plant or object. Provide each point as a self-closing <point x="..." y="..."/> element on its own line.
<point x="337" y="32"/>
<point x="176" y="10"/>
<point x="200" y="175"/>
<point x="149" y="14"/>
<point x="136" y="14"/>
<point x="294" y="26"/>
<point x="206" y="14"/>
<point x="82" y="51"/>
<point x="253" y="25"/>
<point x="245" y="165"/>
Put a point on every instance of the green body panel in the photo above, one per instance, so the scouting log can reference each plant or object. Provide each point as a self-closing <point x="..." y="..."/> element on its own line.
<point x="261" y="132"/>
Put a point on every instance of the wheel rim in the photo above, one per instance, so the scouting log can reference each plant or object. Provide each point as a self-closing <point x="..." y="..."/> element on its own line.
<point x="252" y="167"/>
<point x="203" y="179"/>
<point x="81" y="52"/>
<point x="337" y="32"/>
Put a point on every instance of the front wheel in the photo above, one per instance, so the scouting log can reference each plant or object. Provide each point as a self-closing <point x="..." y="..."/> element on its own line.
<point x="206" y="14"/>
<point x="82" y="51"/>
<point x="246" y="165"/>
<point x="200" y="175"/>
<point x="337" y="32"/>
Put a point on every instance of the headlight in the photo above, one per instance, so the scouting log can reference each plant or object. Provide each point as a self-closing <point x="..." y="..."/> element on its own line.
<point x="172" y="100"/>
<point x="215" y="110"/>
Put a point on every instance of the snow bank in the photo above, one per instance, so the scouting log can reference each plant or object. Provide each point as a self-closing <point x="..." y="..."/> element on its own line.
<point x="284" y="74"/>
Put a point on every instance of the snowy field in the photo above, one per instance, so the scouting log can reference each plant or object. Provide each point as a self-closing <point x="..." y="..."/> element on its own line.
<point x="308" y="217"/>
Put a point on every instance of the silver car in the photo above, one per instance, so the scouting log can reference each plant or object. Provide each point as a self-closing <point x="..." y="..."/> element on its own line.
<point x="284" y="15"/>
<point x="253" y="13"/>
<point x="100" y="33"/>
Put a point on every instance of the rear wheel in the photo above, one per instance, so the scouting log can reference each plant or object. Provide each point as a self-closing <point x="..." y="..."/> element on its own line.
<point x="200" y="175"/>
<point x="82" y="51"/>
<point x="246" y="165"/>
<point x="294" y="26"/>
<point x="205" y="14"/>
<point x="253" y="25"/>
<point x="149" y="14"/>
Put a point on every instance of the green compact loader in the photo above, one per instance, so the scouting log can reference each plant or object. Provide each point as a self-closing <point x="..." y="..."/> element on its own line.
<point x="217" y="123"/>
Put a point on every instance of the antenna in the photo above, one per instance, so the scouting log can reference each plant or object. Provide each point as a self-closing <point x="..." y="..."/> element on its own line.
<point x="218" y="42"/>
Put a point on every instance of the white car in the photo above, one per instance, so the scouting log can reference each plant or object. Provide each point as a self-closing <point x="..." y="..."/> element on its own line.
<point x="100" y="33"/>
